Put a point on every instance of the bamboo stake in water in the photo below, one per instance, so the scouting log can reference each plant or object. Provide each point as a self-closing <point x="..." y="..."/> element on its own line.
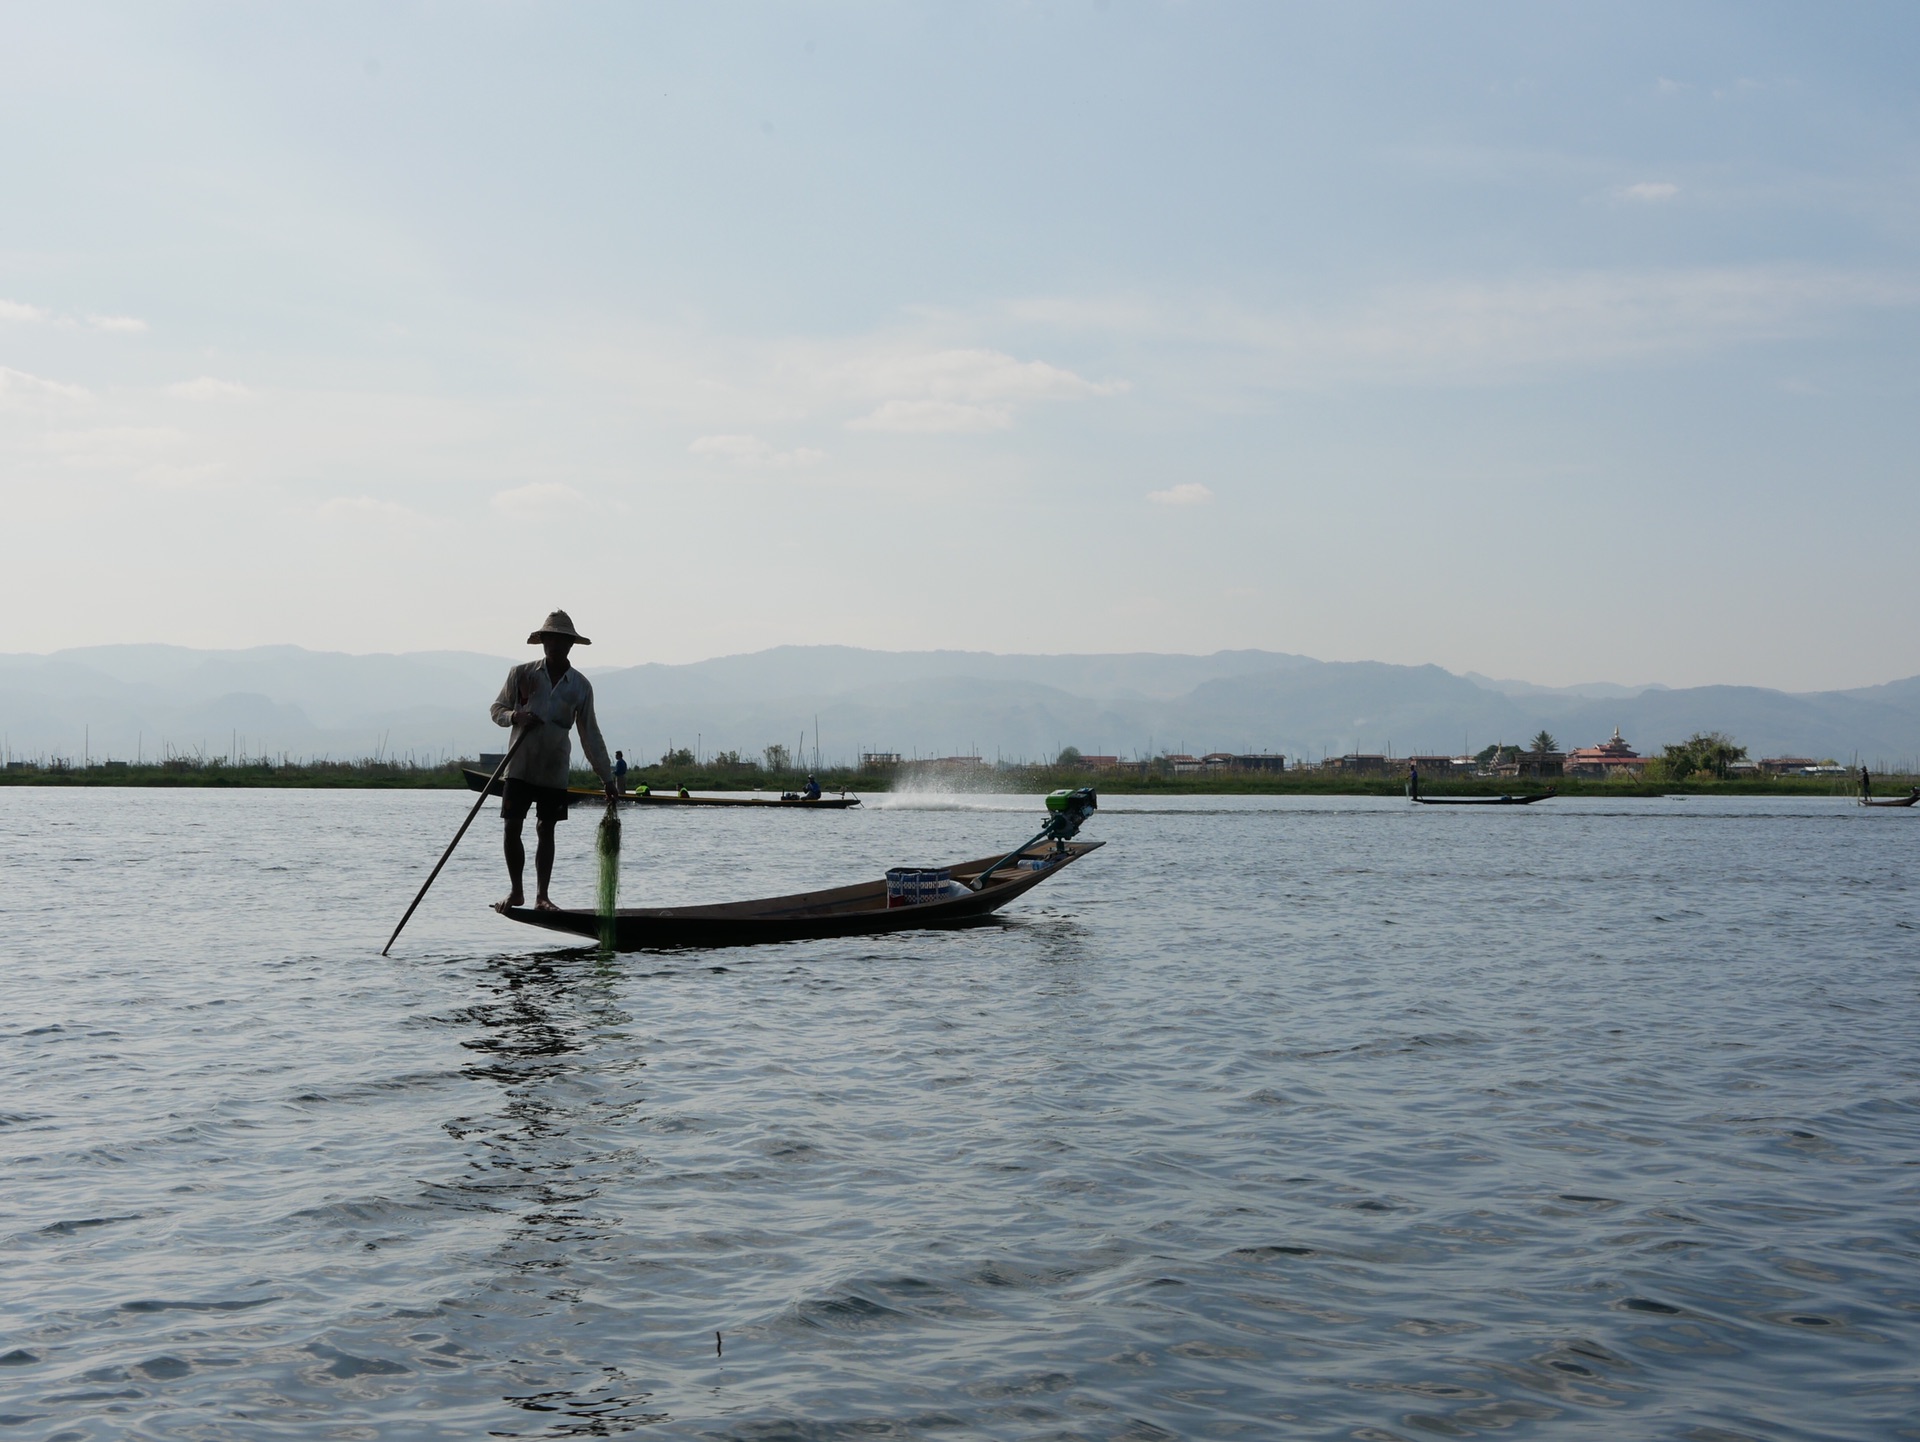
<point x="485" y="791"/>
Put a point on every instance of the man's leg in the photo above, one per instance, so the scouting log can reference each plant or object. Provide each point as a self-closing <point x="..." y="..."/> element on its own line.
<point x="543" y="858"/>
<point x="516" y="862"/>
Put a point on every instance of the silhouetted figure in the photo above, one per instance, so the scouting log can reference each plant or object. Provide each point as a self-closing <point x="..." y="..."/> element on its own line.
<point x="1866" y="785"/>
<point x="542" y="701"/>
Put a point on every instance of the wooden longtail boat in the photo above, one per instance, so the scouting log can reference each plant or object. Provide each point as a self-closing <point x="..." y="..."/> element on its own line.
<point x="860" y="910"/>
<point x="477" y="781"/>
<point x="1484" y="800"/>
<point x="1906" y="800"/>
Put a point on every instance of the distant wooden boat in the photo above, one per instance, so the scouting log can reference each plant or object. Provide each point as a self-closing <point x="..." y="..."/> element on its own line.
<point x="477" y="781"/>
<point x="860" y="910"/>
<point x="1485" y="800"/>
<point x="1906" y="800"/>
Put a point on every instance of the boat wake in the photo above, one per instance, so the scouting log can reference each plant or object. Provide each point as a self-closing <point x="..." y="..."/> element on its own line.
<point x="932" y="801"/>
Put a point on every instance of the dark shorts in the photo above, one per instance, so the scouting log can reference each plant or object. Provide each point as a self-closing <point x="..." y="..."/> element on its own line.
<point x="520" y="795"/>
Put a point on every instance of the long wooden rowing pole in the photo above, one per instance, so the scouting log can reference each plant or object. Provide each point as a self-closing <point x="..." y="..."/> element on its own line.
<point x="485" y="791"/>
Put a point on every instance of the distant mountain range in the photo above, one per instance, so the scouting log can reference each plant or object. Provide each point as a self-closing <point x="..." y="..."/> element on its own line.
<point x="116" y="700"/>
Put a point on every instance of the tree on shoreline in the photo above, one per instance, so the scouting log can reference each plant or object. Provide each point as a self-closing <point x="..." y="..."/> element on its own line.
<point x="1712" y="752"/>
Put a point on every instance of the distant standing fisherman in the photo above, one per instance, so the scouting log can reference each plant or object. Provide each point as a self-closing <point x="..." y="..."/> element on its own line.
<point x="541" y="701"/>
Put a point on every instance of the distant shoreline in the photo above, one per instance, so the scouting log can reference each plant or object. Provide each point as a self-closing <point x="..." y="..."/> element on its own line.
<point x="389" y="776"/>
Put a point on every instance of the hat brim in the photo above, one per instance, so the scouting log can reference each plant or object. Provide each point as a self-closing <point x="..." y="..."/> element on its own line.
<point x="574" y="636"/>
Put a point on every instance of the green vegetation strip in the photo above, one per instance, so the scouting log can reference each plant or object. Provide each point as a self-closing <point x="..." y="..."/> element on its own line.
<point x="1024" y="780"/>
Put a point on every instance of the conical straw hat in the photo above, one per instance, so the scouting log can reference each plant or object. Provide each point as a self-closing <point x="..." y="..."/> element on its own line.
<point x="558" y="623"/>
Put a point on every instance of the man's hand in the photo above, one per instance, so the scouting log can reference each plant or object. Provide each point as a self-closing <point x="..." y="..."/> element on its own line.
<point x="524" y="717"/>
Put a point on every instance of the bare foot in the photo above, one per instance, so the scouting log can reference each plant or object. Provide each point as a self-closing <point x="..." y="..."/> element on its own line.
<point x="519" y="898"/>
<point x="543" y="904"/>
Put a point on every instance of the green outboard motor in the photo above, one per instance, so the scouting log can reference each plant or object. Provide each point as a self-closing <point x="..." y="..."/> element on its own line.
<point x="1067" y="810"/>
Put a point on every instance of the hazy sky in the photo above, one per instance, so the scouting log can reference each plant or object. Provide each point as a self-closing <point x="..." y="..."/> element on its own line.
<point x="1560" y="341"/>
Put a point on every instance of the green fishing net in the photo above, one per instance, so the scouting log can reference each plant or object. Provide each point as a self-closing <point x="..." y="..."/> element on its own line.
<point x="609" y="848"/>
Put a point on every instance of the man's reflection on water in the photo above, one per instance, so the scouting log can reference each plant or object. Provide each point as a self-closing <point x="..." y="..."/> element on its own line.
<point x="548" y="1030"/>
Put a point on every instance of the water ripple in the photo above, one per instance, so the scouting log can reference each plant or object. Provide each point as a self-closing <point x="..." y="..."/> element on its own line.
<point x="1313" y="1118"/>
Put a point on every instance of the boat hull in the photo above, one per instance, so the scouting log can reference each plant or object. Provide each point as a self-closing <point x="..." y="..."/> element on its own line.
<point x="859" y="910"/>
<point x="1483" y="800"/>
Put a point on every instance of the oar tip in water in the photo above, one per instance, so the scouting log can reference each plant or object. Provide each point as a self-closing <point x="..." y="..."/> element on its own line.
<point x="481" y="800"/>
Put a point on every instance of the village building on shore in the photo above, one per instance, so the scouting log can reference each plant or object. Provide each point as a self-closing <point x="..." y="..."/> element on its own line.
<point x="1531" y="763"/>
<point x="1612" y="757"/>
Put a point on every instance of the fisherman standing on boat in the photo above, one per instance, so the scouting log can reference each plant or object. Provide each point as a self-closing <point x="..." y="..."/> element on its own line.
<point x="540" y="701"/>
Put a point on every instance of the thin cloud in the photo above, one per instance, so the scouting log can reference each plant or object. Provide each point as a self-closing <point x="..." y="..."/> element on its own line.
<point x="951" y="390"/>
<point x="933" y="418"/>
<point x="365" y="508"/>
<point x="1474" y="332"/>
<point x="1187" y="493"/>
<point x="121" y="448"/>
<point x="20" y="311"/>
<point x="206" y="388"/>
<point x="966" y="375"/>
<point x="1649" y="192"/>
<point x="542" y="500"/>
<point x="18" y="385"/>
<point x="205" y="476"/>
<point x="752" y="453"/>
<point x="147" y="455"/>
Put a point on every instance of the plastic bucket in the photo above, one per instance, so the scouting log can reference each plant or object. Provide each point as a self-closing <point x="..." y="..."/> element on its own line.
<point x="913" y="885"/>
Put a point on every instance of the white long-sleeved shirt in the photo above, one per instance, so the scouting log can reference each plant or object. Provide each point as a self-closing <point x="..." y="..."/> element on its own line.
<point x="546" y="757"/>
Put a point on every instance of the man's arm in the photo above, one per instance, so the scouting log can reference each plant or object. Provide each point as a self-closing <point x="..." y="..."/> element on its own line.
<point x="588" y="725"/>
<point x="509" y="707"/>
<point x="509" y="698"/>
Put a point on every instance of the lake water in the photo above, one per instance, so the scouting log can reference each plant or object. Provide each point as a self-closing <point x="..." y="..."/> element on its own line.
<point x="1271" y="1118"/>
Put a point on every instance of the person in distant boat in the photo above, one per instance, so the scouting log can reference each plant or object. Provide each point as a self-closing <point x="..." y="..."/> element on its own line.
<point x="1866" y="784"/>
<point x="1413" y="778"/>
<point x="684" y="793"/>
<point x="620" y="770"/>
<point x="541" y="701"/>
<point x="811" y="792"/>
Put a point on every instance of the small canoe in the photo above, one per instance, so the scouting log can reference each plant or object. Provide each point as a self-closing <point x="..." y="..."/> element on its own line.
<point x="1483" y="800"/>
<point x="477" y="781"/>
<point x="1907" y="800"/>
<point x="859" y="910"/>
